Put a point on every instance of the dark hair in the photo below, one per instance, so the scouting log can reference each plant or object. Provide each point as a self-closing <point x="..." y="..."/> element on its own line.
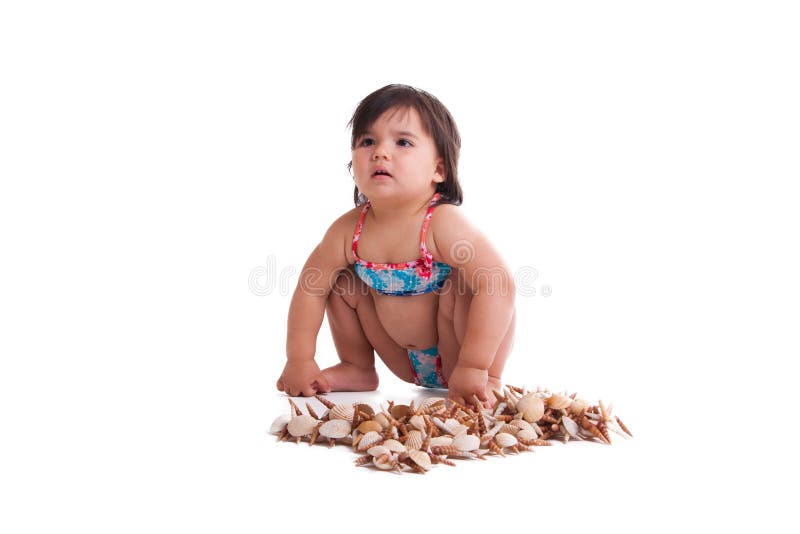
<point x="436" y="120"/>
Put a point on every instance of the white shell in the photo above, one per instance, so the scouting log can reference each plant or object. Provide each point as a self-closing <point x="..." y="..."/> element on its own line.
<point x="414" y="440"/>
<point x="417" y="422"/>
<point x="368" y="440"/>
<point x="558" y="402"/>
<point x="382" y="420"/>
<point x="342" y="411"/>
<point x="466" y="442"/>
<point x="504" y="439"/>
<point x="527" y="435"/>
<point x="335" y="429"/>
<point x="570" y="426"/>
<point x="394" y="445"/>
<point x="301" y="425"/>
<point x="421" y="459"/>
<point x="378" y="450"/>
<point x="522" y="424"/>
<point x="279" y="424"/>
<point x="384" y="461"/>
<point x="441" y="441"/>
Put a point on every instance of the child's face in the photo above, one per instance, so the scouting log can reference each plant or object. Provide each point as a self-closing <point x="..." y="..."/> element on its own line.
<point x="397" y="143"/>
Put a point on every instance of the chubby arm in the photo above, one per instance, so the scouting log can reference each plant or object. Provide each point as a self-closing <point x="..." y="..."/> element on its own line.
<point x="464" y="247"/>
<point x="301" y="375"/>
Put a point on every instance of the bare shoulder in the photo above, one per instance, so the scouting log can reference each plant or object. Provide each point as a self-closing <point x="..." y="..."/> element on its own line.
<point x="448" y="226"/>
<point x="338" y="238"/>
<point x="461" y="244"/>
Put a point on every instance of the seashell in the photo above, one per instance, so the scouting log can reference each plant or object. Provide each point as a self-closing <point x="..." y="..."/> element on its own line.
<point x="378" y="450"/>
<point x="526" y="435"/>
<point x="522" y="424"/>
<point x="421" y="459"/>
<point x="301" y="425"/>
<point x="342" y="411"/>
<point x="501" y="406"/>
<point x="368" y="426"/>
<point x="531" y="407"/>
<point x="505" y="440"/>
<point x="433" y="405"/>
<point x="279" y="424"/>
<point x="334" y="429"/>
<point x="441" y="441"/>
<point x="382" y="420"/>
<point x="414" y="440"/>
<point x="417" y="422"/>
<point x="399" y="411"/>
<point x="570" y="426"/>
<point x="394" y="446"/>
<point x="558" y="402"/>
<point x="365" y="408"/>
<point x="466" y="442"/>
<point x="368" y="440"/>
<point x="384" y="461"/>
<point x="578" y="406"/>
<point x="449" y="450"/>
<point x="510" y="429"/>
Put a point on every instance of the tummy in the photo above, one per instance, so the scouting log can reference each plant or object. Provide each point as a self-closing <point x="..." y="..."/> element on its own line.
<point x="410" y="321"/>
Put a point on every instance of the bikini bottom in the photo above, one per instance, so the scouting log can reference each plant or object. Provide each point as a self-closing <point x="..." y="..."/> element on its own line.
<point x="426" y="364"/>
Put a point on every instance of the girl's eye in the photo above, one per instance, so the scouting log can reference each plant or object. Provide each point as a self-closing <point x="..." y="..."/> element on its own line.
<point x="365" y="141"/>
<point x="408" y="143"/>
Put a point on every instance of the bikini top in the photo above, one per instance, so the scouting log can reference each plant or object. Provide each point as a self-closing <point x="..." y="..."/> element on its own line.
<point x="407" y="278"/>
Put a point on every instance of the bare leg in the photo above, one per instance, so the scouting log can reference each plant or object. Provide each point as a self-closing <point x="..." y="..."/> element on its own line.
<point x="357" y="334"/>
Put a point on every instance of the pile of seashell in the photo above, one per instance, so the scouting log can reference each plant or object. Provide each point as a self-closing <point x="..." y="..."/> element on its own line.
<point x="408" y="437"/>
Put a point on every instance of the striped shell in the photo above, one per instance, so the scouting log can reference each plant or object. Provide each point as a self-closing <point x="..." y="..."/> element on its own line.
<point x="522" y="424"/>
<point x="414" y="440"/>
<point x="394" y="445"/>
<point x="441" y="441"/>
<point x="378" y="450"/>
<point x="334" y="429"/>
<point x="421" y="459"/>
<point x="301" y="425"/>
<point x="417" y="422"/>
<point x="368" y="440"/>
<point x="342" y="411"/>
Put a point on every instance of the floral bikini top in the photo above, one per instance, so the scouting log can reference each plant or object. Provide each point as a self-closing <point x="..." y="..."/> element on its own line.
<point x="400" y="279"/>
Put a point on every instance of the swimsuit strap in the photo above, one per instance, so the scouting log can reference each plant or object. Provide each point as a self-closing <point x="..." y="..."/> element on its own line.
<point x="427" y="257"/>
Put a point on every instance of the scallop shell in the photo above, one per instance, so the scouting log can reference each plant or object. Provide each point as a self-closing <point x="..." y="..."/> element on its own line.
<point x="531" y="407"/>
<point x="421" y="459"/>
<point x="394" y="445"/>
<point x="558" y="402"/>
<point x="414" y="440"/>
<point x="466" y="442"/>
<point x="301" y="425"/>
<point x="417" y="422"/>
<point x="334" y="429"/>
<point x="504" y="440"/>
<point x="527" y="435"/>
<point x="342" y="411"/>
<point x="522" y="424"/>
<point x="368" y="440"/>
<point x="578" y="406"/>
<point x="378" y="450"/>
<point x="279" y="424"/>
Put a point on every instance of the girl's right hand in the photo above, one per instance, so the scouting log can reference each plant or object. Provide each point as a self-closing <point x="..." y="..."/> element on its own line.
<point x="301" y="378"/>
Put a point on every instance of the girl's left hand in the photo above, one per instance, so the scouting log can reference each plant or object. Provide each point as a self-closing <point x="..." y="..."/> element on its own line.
<point x="465" y="382"/>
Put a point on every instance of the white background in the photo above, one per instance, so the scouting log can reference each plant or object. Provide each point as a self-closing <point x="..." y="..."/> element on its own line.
<point x="640" y="156"/>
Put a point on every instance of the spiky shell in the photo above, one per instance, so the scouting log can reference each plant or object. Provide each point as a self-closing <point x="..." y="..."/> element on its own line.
<point x="510" y="429"/>
<point x="441" y="441"/>
<point x="466" y="442"/>
<point x="368" y="440"/>
<point x="279" y="424"/>
<point x="342" y="411"/>
<point x="531" y="407"/>
<point x="394" y="445"/>
<point x="503" y="439"/>
<point x="414" y="440"/>
<point x="421" y="459"/>
<point x="334" y="429"/>
<point x="301" y="425"/>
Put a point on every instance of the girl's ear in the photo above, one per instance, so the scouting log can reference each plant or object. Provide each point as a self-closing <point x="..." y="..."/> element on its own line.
<point x="438" y="176"/>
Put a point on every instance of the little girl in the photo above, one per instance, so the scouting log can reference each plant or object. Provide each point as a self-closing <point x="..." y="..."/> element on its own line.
<point x="403" y="274"/>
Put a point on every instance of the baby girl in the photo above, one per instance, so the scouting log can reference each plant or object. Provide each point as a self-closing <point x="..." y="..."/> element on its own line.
<point x="403" y="274"/>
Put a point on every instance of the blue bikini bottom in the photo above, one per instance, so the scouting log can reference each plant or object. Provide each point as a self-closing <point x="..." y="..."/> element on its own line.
<point x="426" y="364"/>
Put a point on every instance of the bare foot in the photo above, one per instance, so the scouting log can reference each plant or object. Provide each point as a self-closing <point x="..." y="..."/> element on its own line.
<point x="347" y="377"/>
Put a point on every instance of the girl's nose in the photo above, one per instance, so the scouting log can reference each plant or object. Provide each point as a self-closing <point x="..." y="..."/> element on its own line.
<point x="380" y="151"/>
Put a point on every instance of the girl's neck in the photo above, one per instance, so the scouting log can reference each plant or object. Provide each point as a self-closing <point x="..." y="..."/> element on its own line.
<point x="393" y="211"/>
